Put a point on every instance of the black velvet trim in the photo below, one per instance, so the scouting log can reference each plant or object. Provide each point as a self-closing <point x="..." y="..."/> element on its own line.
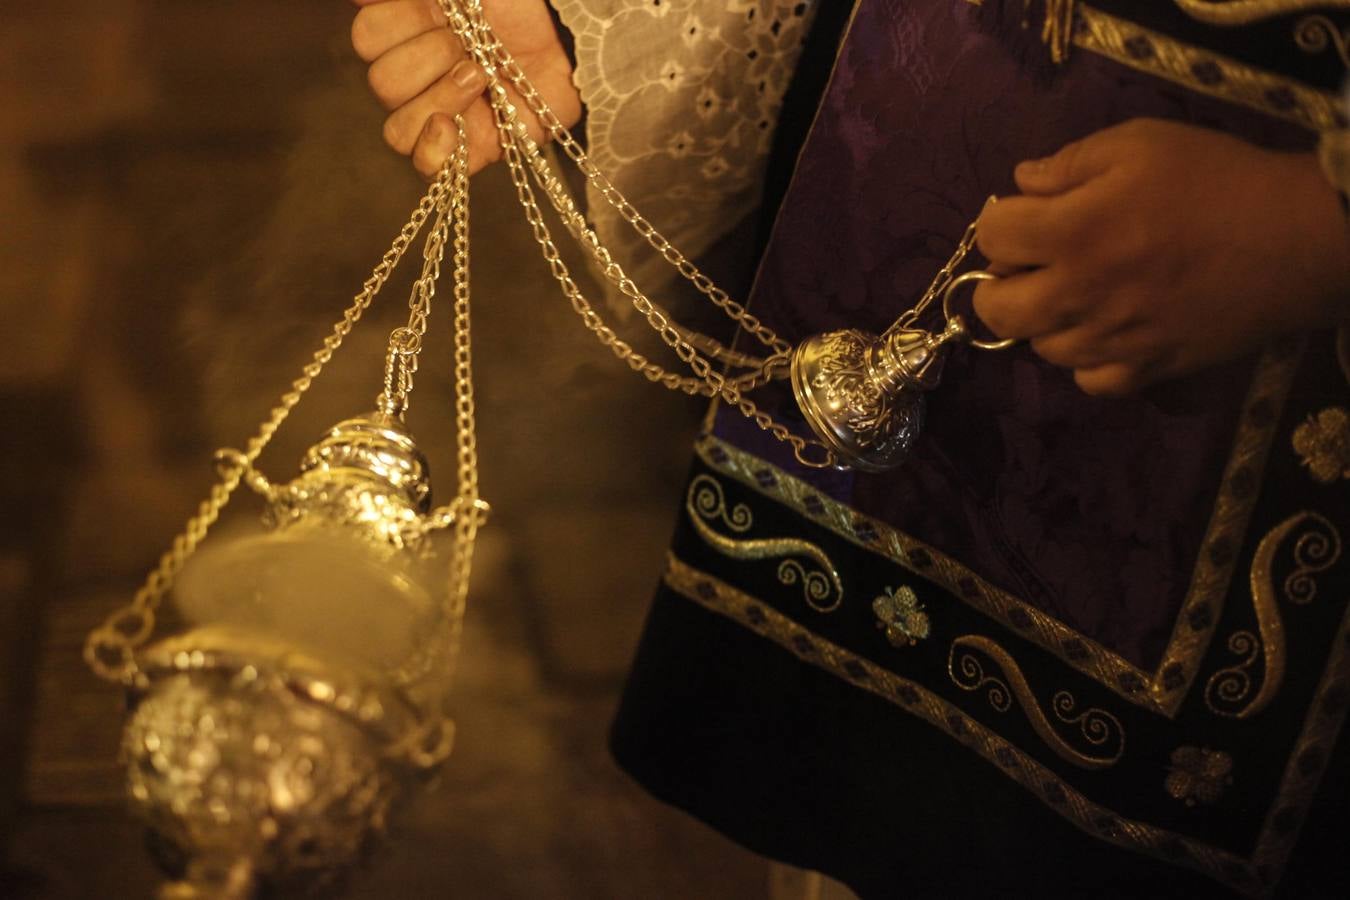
<point x="804" y="765"/>
<point x="796" y="765"/>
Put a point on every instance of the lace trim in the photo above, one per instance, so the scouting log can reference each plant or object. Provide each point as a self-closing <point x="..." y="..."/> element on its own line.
<point x="669" y="119"/>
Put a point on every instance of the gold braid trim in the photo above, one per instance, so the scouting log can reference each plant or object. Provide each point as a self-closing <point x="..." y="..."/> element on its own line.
<point x="1254" y="877"/>
<point x="1206" y="72"/>
<point x="1162" y="689"/>
<point x="1084" y="654"/>
<point x="1040" y="781"/>
<point x="1057" y="29"/>
<point x="1228" y="523"/>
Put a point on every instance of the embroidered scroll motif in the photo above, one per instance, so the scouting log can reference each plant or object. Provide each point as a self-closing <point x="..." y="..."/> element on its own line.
<point x="1230" y="686"/>
<point x="899" y="612"/>
<point x="706" y="502"/>
<point x="1098" y="728"/>
<point x="1252" y="875"/>
<point x="1198" y="775"/>
<point x="1228" y="692"/>
<point x="1314" y="34"/>
<point x="707" y="499"/>
<point x="1323" y="445"/>
<point x="1165" y="687"/>
<point x="1314" y="552"/>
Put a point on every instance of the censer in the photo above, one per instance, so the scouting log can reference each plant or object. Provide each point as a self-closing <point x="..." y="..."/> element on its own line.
<point x="267" y="744"/>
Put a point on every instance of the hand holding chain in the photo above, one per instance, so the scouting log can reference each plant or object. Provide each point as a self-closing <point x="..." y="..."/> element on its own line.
<point x="364" y="487"/>
<point x="111" y="649"/>
<point x="862" y="395"/>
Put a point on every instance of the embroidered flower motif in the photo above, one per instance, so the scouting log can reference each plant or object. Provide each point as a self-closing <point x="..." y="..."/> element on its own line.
<point x="1324" y="443"/>
<point x="1198" y="775"/>
<point x="898" y="611"/>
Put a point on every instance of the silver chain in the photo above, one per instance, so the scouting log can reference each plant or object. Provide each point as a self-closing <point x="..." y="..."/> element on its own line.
<point x="527" y="164"/>
<point x="109" y="650"/>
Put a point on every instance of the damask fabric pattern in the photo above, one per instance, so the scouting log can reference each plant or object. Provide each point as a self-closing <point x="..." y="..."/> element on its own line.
<point x="682" y="98"/>
<point x="1119" y="686"/>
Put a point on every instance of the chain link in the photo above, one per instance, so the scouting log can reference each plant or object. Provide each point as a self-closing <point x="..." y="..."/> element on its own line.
<point x="109" y="650"/>
<point x="405" y="343"/>
<point x="489" y="52"/>
<point x="910" y="317"/>
<point x="466" y="19"/>
<point x="428" y="745"/>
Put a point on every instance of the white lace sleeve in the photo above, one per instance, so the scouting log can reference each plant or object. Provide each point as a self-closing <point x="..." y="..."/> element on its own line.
<point x="682" y="97"/>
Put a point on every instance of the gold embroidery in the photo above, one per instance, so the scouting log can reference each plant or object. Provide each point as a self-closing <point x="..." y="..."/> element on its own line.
<point x="1087" y="656"/>
<point x="1254" y="877"/>
<point x="822" y="589"/>
<point x="1162" y="690"/>
<point x="1314" y="34"/>
<point x="1246" y="12"/>
<point x="816" y="585"/>
<point x="1303" y="773"/>
<point x="972" y="677"/>
<point x="1058" y="28"/>
<point x="1098" y="727"/>
<point x="1205" y="72"/>
<point x="1058" y="795"/>
<point x="1314" y="553"/>
<point x="1228" y="521"/>
<point x="1198" y="775"/>
<point x="1323" y="443"/>
<point x="899" y="612"/>
<point x="707" y="499"/>
<point x="1229" y="686"/>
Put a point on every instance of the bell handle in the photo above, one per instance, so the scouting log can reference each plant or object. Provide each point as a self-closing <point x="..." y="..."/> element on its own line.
<point x="980" y="275"/>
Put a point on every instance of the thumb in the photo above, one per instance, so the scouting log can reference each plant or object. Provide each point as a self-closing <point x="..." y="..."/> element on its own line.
<point x="1072" y="165"/>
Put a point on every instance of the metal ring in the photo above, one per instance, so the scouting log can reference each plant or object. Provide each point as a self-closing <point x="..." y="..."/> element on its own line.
<point x="979" y="275"/>
<point x="405" y="341"/>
